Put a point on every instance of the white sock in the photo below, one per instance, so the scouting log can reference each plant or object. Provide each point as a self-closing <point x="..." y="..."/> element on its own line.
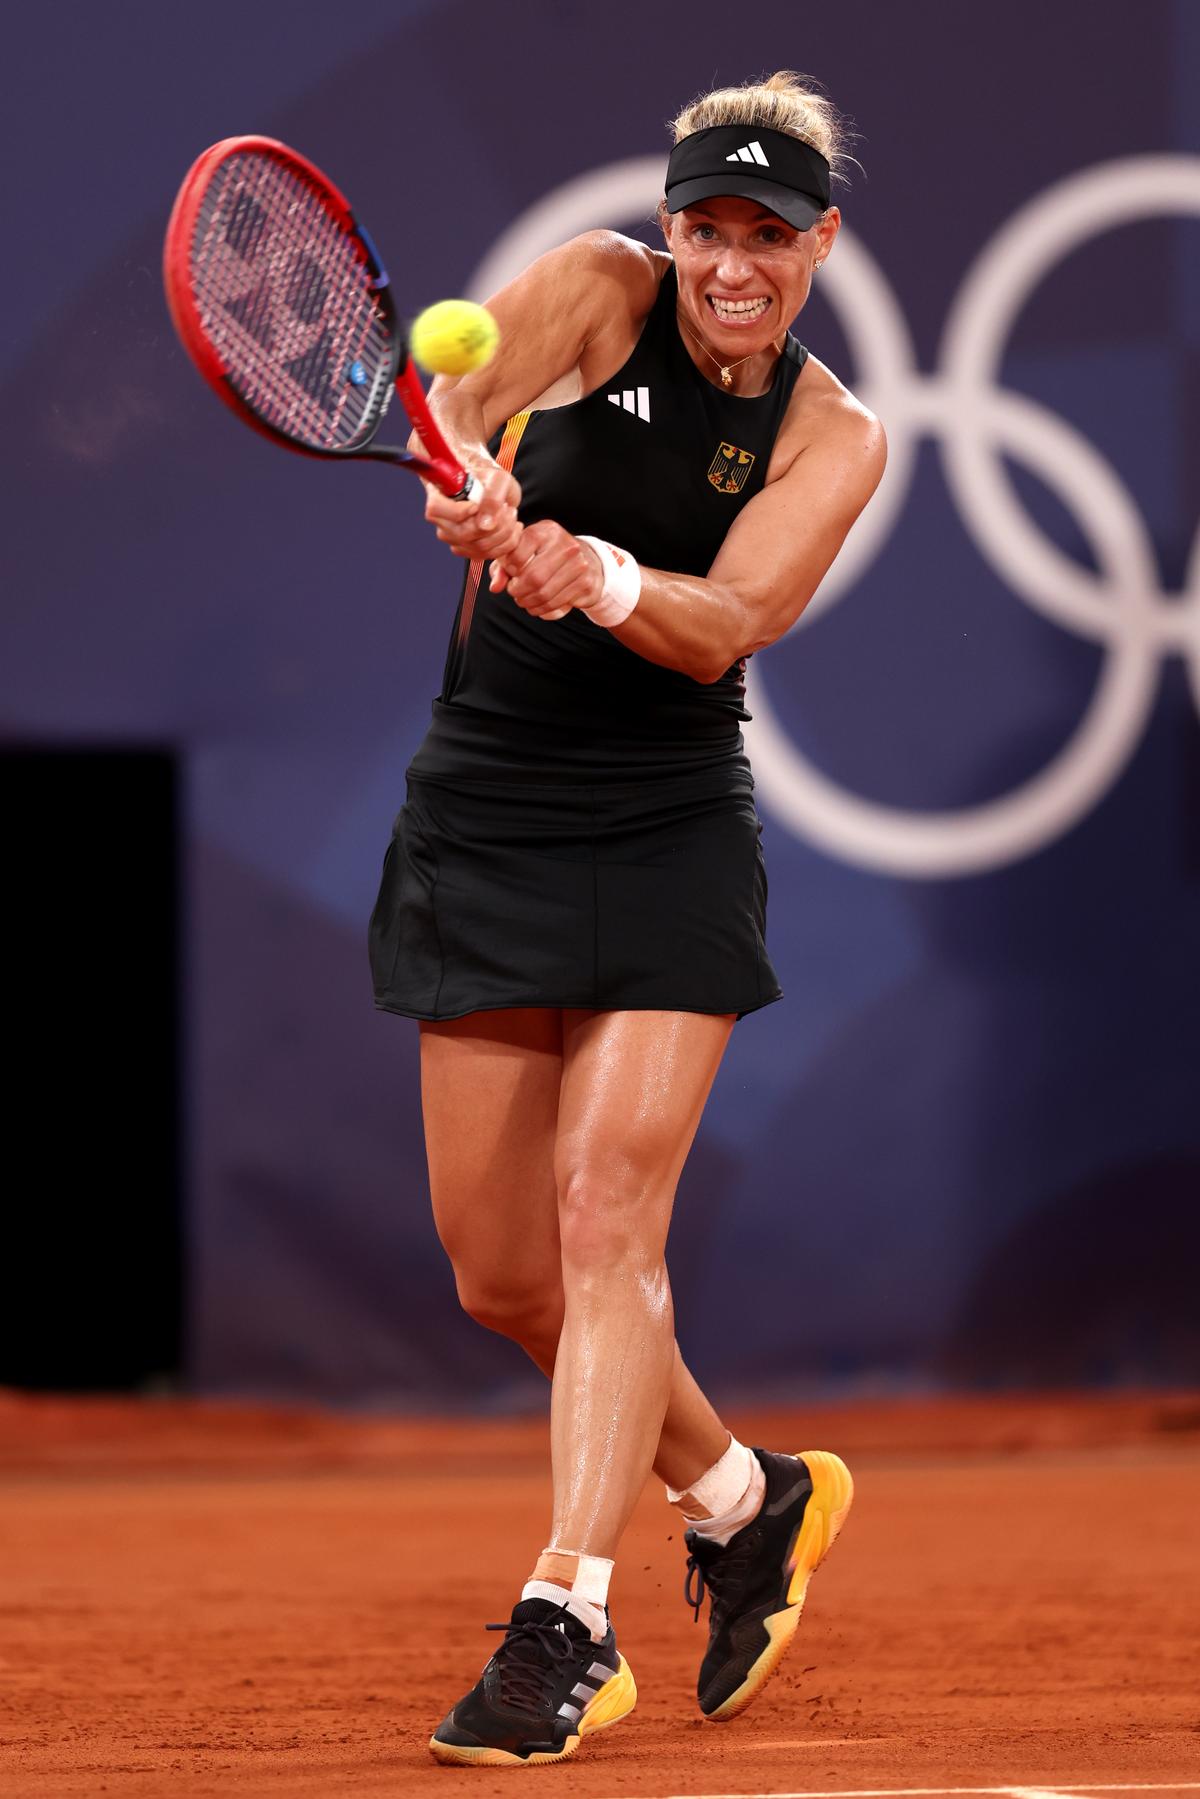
<point x="726" y="1496"/>
<point x="587" y="1596"/>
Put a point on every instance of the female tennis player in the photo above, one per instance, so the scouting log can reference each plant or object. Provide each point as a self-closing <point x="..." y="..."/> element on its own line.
<point x="573" y="901"/>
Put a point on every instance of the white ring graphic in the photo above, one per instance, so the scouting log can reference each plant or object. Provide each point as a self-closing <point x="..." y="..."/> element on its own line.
<point x="1122" y="607"/>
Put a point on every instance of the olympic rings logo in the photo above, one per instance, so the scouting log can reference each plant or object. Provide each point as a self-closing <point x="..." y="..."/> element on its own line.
<point x="1122" y="607"/>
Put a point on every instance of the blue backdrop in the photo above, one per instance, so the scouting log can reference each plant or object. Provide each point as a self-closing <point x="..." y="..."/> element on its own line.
<point x="966" y="1146"/>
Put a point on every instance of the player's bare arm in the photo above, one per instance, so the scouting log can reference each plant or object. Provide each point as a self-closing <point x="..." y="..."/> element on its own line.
<point x="575" y="310"/>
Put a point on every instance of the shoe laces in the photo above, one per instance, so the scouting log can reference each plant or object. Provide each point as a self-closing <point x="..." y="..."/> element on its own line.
<point x="714" y="1568"/>
<point x="530" y="1659"/>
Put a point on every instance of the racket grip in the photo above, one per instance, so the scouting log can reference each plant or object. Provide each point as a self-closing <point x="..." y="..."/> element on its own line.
<point x="468" y="490"/>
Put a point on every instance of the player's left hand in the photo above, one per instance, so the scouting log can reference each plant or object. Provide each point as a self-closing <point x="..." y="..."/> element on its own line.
<point x="549" y="571"/>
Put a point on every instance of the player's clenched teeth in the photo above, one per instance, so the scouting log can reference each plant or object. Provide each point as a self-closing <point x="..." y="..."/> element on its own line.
<point x="740" y="310"/>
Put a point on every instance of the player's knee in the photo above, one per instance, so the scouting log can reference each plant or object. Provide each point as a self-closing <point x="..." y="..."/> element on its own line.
<point x="607" y="1215"/>
<point x="527" y="1313"/>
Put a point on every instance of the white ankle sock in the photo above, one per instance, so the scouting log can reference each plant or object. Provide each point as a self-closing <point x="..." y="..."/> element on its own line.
<point x="587" y="1596"/>
<point x="726" y="1496"/>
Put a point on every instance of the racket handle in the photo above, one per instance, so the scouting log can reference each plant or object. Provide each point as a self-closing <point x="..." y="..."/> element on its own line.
<point x="442" y="465"/>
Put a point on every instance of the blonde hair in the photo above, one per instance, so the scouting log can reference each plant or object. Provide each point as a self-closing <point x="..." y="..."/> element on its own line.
<point x="785" y="102"/>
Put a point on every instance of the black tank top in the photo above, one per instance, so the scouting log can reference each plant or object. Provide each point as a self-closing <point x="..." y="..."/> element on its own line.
<point x="659" y="461"/>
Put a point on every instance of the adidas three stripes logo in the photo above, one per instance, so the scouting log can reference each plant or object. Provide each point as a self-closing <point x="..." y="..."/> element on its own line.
<point x="584" y="1691"/>
<point x="637" y="401"/>
<point x="750" y="153"/>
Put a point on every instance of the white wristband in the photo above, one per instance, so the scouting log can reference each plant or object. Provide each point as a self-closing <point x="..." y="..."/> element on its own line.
<point x="622" y="584"/>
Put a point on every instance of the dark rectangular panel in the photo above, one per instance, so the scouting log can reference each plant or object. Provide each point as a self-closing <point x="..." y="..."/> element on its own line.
<point x="90" y="1272"/>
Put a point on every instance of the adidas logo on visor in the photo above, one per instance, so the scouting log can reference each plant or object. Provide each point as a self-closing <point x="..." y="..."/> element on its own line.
<point x="638" y="402"/>
<point x="749" y="153"/>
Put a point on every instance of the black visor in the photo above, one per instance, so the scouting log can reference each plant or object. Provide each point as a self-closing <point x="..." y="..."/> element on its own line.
<point x="781" y="173"/>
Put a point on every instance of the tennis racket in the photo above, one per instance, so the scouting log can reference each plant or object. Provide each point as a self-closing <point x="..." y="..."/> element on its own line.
<point x="281" y="300"/>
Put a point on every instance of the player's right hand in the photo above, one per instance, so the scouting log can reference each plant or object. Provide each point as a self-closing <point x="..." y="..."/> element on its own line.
<point x="484" y="526"/>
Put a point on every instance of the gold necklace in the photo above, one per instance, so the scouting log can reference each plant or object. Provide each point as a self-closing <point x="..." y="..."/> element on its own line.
<point x="725" y="368"/>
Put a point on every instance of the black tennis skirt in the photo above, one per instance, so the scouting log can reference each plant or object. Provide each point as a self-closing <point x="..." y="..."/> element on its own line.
<point x="647" y="895"/>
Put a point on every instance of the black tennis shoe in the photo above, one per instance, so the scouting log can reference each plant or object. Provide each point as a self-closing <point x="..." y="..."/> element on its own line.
<point x="546" y="1686"/>
<point x="757" y="1581"/>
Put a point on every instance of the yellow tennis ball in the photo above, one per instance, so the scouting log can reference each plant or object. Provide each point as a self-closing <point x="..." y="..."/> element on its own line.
<point x="454" y="337"/>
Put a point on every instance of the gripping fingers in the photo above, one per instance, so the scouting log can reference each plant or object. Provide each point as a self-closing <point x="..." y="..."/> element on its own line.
<point x="553" y="571"/>
<point x="483" y="547"/>
<point x="490" y="531"/>
<point x="541" y="587"/>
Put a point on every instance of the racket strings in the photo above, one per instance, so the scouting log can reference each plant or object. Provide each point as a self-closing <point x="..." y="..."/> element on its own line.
<point x="301" y="359"/>
<point x="318" y="361"/>
<point x="284" y="297"/>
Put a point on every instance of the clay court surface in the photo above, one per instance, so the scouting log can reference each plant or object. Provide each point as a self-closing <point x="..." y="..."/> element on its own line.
<point x="206" y="1600"/>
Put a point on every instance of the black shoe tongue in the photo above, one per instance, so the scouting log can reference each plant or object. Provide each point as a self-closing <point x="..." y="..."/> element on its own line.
<point x="703" y="1548"/>
<point x="535" y="1611"/>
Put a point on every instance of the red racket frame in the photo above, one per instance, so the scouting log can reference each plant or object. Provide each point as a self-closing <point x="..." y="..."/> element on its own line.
<point x="439" y="464"/>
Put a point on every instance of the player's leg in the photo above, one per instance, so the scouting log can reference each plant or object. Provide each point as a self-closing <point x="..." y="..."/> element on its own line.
<point x="634" y="1087"/>
<point x="490" y="1094"/>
